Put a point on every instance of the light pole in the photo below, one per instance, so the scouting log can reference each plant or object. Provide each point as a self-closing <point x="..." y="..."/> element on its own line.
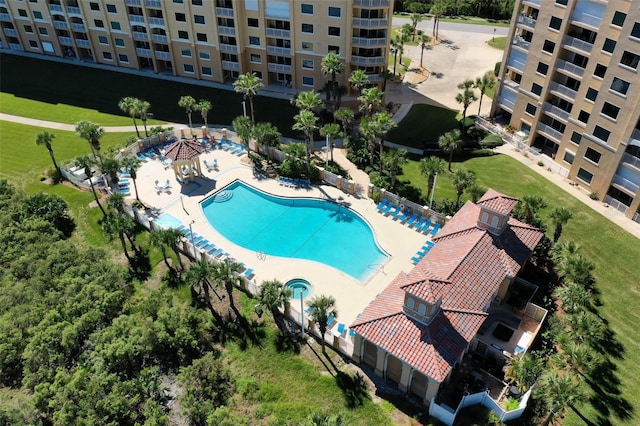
<point x="302" y="290"/>
<point x="327" y="152"/>
<point x="433" y="189"/>
<point x="244" y="108"/>
<point x="192" y="240"/>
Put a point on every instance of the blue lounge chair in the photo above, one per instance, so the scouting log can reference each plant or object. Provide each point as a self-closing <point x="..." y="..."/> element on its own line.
<point x="330" y="320"/>
<point x="387" y="208"/>
<point x="435" y="229"/>
<point x="382" y="204"/>
<point x="248" y="273"/>
<point x="341" y="328"/>
<point x="397" y="211"/>
<point x="419" y="223"/>
<point x="411" y="221"/>
<point x="415" y="260"/>
<point x="141" y="157"/>
<point x="426" y="226"/>
<point x="404" y="216"/>
<point x="352" y="333"/>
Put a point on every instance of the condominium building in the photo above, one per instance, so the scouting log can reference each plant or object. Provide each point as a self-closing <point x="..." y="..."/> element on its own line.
<point x="282" y="41"/>
<point x="569" y="83"/>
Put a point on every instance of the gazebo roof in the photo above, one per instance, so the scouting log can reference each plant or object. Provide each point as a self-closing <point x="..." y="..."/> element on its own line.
<point x="184" y="150"/>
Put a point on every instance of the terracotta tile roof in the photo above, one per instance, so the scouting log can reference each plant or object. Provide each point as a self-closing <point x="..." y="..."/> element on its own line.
<point x="465" y="269"/>
<point x="184" y="150"/>
<point x="497" y="201"/>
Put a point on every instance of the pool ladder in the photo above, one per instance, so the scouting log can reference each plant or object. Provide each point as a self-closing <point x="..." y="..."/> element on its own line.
<point x="380" y="267"/>
<point x="261" y="255"/>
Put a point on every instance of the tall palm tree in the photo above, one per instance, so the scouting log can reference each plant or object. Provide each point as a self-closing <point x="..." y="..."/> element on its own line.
<point x="171" y="238"/>
<point x="484" y="83"/>
<point x="423" y="42"/>
<point x="266" y="134"/>
<point x="127" y="105"/>
<point x="159" y="239"/>
<point x="461" y="180"/>
<point x="86" y="162"/>
<point x="92" y="133"/>
<point x="131" y="165"/>
<point x="115" y="203"/>
<point x="243" y="127"/>
<point x="386" y="75"/>
<point x="332" y="65"/>
<point x="307" y="123"/>
<point x="430" y="167"/>
<point x="359" y="80"/>
<point x="584" y="327"/>
<point x="528" y="207"/>
<point x="578" y="269"/>
<point x="188" y="103"/>
<point x="198" y="276"/>
<point x="323" y="307"/>
<point x="345" y="116"/>
<point x="227" y="275"/>
<point x="144" y="114"/>
<point x="559" y="217"/>
<point x="309" y="101"/>
<point x="121" y="226"/>
<point x="573" y="297"/>
<point x="396" y="46"/>
<point x="523" y="371"/>
<point x="466" y="98"/>
<point x="111" y="167"/>
<point x="384" y="123"/>
<point x="394" y="159"/>
<point x="45" y="138"/>
<point x="249" y="84"/>
<point x="451" y="142"/>
<point x="415" y="18"/>
<point x="559" y="392"/>
<point x="404" y="37"/>
<point x="274" y="295"/>
<point x="332" y="131"/>
<point x="204" y="106"/>
<point x="370" y="100"/>
<point x="370" y="131"/>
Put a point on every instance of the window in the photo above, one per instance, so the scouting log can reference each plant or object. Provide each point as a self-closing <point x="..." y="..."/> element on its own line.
<point x="531" y="109"/>
<point x="600" y="71"/>
<point x="307" y="46"/>
<point x="536" y="88"/>
<point x="201" y="37"/>
<point x="94" y="6"/>
<point x="118" y="42"/>
<point x="188" y="68"/>
<point x="33" y="44"/>
<point x="601" y="133"/>
<point x="610" y="110"/>
<point x="592" y="155"/>
<point x="43" y="31"/>
<point x="562" y="2"/>
<point x="207" y="71"/>
<point x="107" y="56"/>
<point x="22" y="12"/>
<point x="609" y="45"/>
<point x="334" y="49"/>
<point x="185" y="52"/>
<point x="198" y="19"/>
<point x="115" y="26"/>
<point x="307" y="81"/>
<point x="256" y="58"/>
<point x="576" y="138"/>
<point x="196" y="2"/>
<point x="334" y="31"/>
<point x="103" y="39"/>
<point x="123" y="58"/>
<point x="253" y="22"/>
<point x="549" y="46"/>
<point x="635" y="32"/>
<point x="411" y="304"/>
<point x="334" y="12"/>
<point x="28" y="29"/>
<point x="591" y="94"/>
<point x="37" y="15"/>
<point x="111" y="8"/>
<point x="178" y="1"/>
<point x="181" y="17"/>
<point x="542" y="68"/>
<point x="583" y="116"/>
<point x="555" y="23"/>
<point x="307" y="28"/>
<point x="98" y="23"/>
<point x="618" y="19"/>
<point x="307" y="64"/>
<point x="620" y="86"/>
<point x="257" y="73"/>
<point x="585" y="176"/>
<point x="306" y="9"/>
<point x="183" y="35"/>
<point x="630" y="60"/>
<point x="254" y="40"/>
<point x="204" y="55"/>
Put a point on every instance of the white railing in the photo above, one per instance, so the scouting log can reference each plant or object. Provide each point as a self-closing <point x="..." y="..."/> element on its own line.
<point x="78" y="27"/>
<point x="374" y="78"/>
<point x="520" y="42"/>
<point x="279" y="68"/>
<point x="536" y="2"/>
<point x="275" y="32"/>
<point x="630" y="159"/>
<point x="163" y="56"/>
<point x="370" y="23"/>
<point x="145" y="53"/>
<point x="368" y="42"/>
<point x="228" y="48"/>
<point x="5" y="17"/>
<point x="60" y="25"/>
<point x="72" y="10"/>
<point x="83" y="43"/>
<point x="159" y="38"/>
<point x="55" y="8"/>
<point x="230" y="65"/>
<point x="11" y="32"/>
<point x="505" y="102"/>
<point x="557" y="111"/>
<point x="226" y="30"/>
<point x="15" y="46"/>
<point x="621" y="207"/>
<point x="585" y="18"/>
<point x="626" y="184"/>
<point x="65" y="41"/>
<point x="371" y="3"/>
<point x="136" y="19"/>
<point x="636" y="217"/>
<point x="156" y="21"/>
<point x="364" y="60"/>
<point x="514" y="63"/>
<point x="224" y="11"/>
<point x="156" y="4"/>
<point x="577" y="43"/>
<point x="525" y="20"/>
<point x="562" y="90"/>
<point x="568" y="66"/>
<point x="275" y="50"/>
<point x="550" y="132"/>
<point x="140" y="36"/>
<point x="635" y="137"/>
<point x="133" y="2"/>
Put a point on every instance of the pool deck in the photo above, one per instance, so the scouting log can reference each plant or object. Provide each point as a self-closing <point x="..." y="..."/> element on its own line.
<point x="352" y="296"/>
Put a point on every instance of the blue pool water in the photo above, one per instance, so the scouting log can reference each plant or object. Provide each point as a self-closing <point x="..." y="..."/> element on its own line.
<point x="302" y="228"/>
<point x="299" y="288"/>
<point x="168" y="221"/>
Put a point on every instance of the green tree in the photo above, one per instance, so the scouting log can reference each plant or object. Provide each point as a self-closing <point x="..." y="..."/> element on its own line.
<point x="576" y="268"/>
<point x="450" y="142"/>
<point x="131" y="165"/>
<point x="559" y="392"/>
<point x="523" y="371"/>
<point x="249" y="84"/>
<point x="484" y="83"/>
<point x="384" y="124"/>
<point x="325" y="418"/>
<point x="199" y="276"/>
<point x="274" y="295"/>
<point x="461" y="180"/>
<point x="189" y="104"/>
<point x="204" y="106"/>
<point x="394" y="159"/>
<point x="359" y="80"/>
<point x="430" y="167"/>
<point x="559" y="217"/>
<point x="307" y="123"/>
<point x="86" y="162"/>
<point x="121" y="226"/>
<point x="423" y="42"/>
<point x="227" y="275"/>
<point x="415" y="19"/>
<point x="307" y="101"/>
<point x="332" y="131"/>
<point x="243" y="127"/>
<point x="92" y="133"/>
<point x="466" y="98"/>
<point x="345" y="116"/>
<point x="111" y="167"/>
<point x="397" y="47"/>
<point x="370" y="100"/>
<point x="323" y="307"/>
<point x="51" y="208"/>
<point x="143" y="112"/>
<point x="266" y="134"/>
<point x="332" y="65"/>
<point x="45" y="138"/>
<point x="527" y="209"/>
<point x="161" y="239"/>
<point x="386" y="76"/>
<point x="128" y="106"/>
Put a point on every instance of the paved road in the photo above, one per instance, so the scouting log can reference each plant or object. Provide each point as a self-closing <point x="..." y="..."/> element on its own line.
<point x="452" y="26"/>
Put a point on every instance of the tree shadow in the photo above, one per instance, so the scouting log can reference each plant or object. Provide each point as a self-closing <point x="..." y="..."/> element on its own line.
<point x="607" y="398"/>
<point x="286" y="342"/>
<point x="354" y="388"/>
<point x="140" y="264"/>
<point x="609" y="345"/>
<point x="244" y="332"/>
<point x="321" y="359"/>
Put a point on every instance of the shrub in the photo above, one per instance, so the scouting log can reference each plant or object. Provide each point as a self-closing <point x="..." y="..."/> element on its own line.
<point x="540" y="163"/>
<point x="496" y="68"/>
<point x="594" y="196"/>
<point x="491" y="141"/>
<point x="512" y="404"/>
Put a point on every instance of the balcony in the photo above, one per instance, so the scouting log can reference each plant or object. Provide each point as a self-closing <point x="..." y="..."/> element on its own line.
<point x="635" y="138"/>
<point x="576" y="43"/>
<point x="550" y="132"/>
<point x="53" y="8"/>
<point x="72" y="10"/>
<point x="158" y="38"/>
<point x="83" y="43"/>
<point x="66" y="41"/>
<point x="275" y="32"/>
<point x="562" y="90"/>
<point x="15" y="46"/>
<point x="625" y="184"/>
<point x="5" y="17"/>
<point x="374" y="78"/>
<point x="156" y="4"/>
<point x="145" y="53"/>
<point x="506" y="103"/>
<point x="228" y="48"/>
<point x="631" y="160"/>
<point x="234" y="66"/>
<point x="534" y="2"/>
<point x="279" y="68"/>
<point x="60" y="25"/>
<point x="11" y="32"/>
<point x="371" y="4"/>
<point x="367" y="60"/>
<point x="370" y="23"/>
<point x="224" y="11"/>
<point x="158" y="22"/>
<point x="527" y="21"/>
<point x="140" y="36"/>
<point x="522" y="43"/>
<point x="226" y="30"/>
<point x="163" y="56"/>
<point x="133" y="2"/>
<point x="511" y="85"/>
<point x="612" y="202"/>
<point x="78" y="27"/>
<point x="574" y="69"/>
<point x="368" y="42"/>
<point x="515" y="64"/>
<point x="279" y="51"/>
<point x="586" y="19"/>
<point x="555" y="111"/>
<point x="136" y="19"/>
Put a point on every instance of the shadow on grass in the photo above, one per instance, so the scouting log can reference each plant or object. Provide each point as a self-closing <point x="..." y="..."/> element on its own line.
<point x="286" y="342"/>
<point x="140" y="264"/>
<point x="243" y="331"/>
<point x="354" y="388"/>
<point x="607" y="399"/>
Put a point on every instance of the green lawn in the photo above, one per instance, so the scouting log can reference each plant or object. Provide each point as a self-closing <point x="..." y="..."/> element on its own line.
<point x="498" y="42"/>
<point x="423" y="124"/>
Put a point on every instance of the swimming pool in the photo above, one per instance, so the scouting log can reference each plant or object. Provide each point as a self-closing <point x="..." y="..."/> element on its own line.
<point x="303" y="228"/>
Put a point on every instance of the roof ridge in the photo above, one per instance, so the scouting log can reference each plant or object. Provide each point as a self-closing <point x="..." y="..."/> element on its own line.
<point x="456" y="233"/>
<point x="465" y="311"/>
<point x="356" y="323"/>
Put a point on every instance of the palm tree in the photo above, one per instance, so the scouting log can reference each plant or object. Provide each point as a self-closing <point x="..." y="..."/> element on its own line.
<point x="394" y="159"/>
<point x="523" y="371"/>
<point x="309" y="101"/>
<point x="423" y="42"/>
<point x="405" y="35"/>
<point x="370" y="100"/>
<point x="579" y="358"/>
<point x="386" y="75"/>
<point x="332" y="131"/>
<point x="415" y="18"/>
<point x="563" y="250"/>
<point x="119" y="225"/>
<point x="527" y="209"/>
<point x="273" y="295"/>
<point x="127" y="105"/>
<point x="584" y="327"/>
<point x="332" y="65"/>
<point x="325" y="418"/>
<point x="461" y="180"/>
<point x="115" y="203"/>
<point x="131" y="165"/>
<point x="188" y="103"/>
<point x="307" y="123"/>
<point x="143" y="112"/>
<point x="437" y="9"/>
<point x="266" y="134"/>
<point x="578" y="269"/>
<point x="450" y="143"/>
<point x="204" y="106"/>
<point x="322" y="307"/>
<point x="396" y="46"/>
<point x="249" y="84"/>
<point x="559" y="217"/>
<point x="345" y="116"/>
<point x="86" y="162"/>
<point x="430" y="167"/>
<point x="92" y="133"/>
<point x="466" y="98"/>
<point x="559" y="392"/>
<point x="243" y="127"/>
<point x="227" y="274"/>
<point x="484" y="83"/>
<point x="197" y="276"/>
<point x="359" y="80"/>
<point x="161" y="239"/>
<point x="45" y="138"/>
<point x="171" y="238"/>
<point x="111" y="167"/>
<point x="384" y="123"/>
<point x="370" y="132"/>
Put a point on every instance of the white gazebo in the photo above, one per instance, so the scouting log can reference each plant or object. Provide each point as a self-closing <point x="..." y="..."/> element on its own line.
<point x="185" y="157"/>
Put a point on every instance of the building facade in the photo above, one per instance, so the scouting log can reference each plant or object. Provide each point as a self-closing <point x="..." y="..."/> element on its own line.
<point x="282" y="41"/>
<point x="569" y="83"/>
